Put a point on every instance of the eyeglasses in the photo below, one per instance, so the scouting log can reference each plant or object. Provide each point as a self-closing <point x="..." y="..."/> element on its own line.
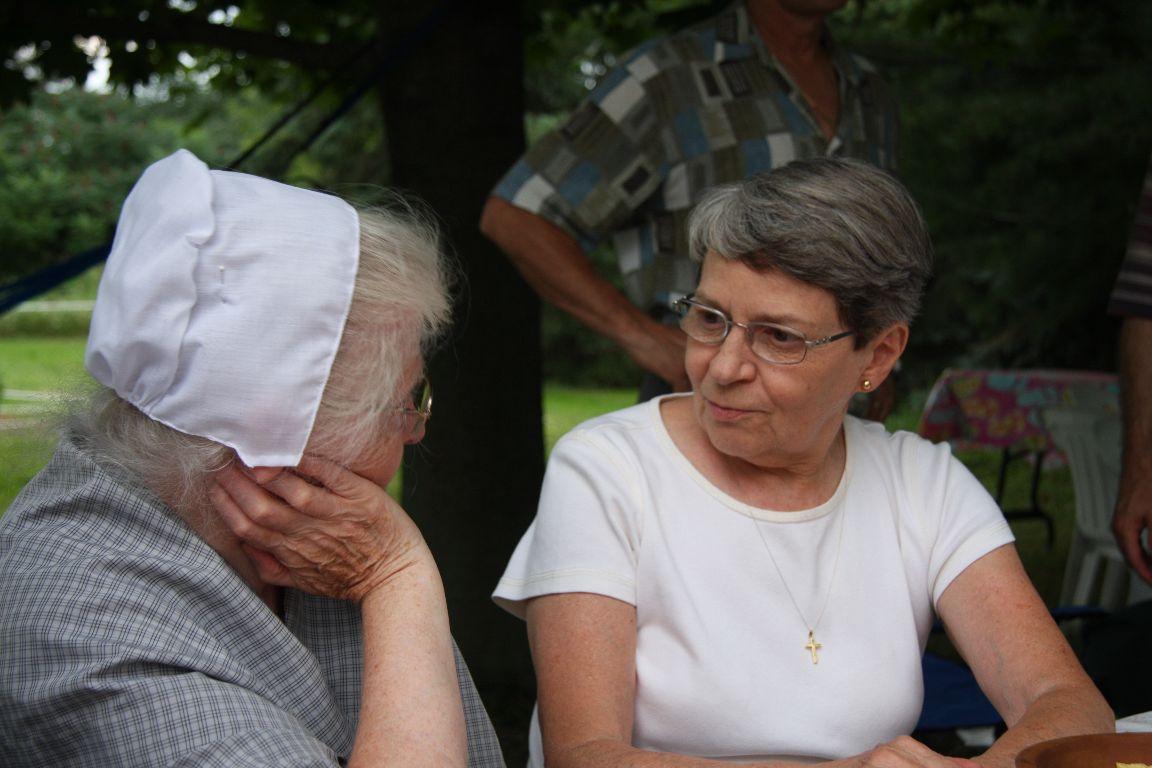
<point x="770" y="342"/>
<point x="417" y="414"/>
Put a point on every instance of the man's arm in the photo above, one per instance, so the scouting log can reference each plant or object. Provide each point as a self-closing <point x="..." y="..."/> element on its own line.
<point x="559" y="271"/>
<point x="1133" y="513"/>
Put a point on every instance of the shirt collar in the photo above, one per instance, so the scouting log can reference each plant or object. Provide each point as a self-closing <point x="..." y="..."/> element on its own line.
<point x="735" y="18"/>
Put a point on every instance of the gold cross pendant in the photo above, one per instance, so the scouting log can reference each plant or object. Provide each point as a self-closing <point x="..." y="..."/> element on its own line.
<point x="813" y="647"/>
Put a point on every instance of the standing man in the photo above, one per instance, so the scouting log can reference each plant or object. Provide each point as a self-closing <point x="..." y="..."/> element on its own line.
<point x="750" y="89"/>
<point x="1115" y="650"/>
<point x="1132" y="298"/>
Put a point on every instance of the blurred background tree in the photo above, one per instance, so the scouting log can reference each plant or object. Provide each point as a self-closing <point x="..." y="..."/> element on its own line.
<point x="1026" y="126"/>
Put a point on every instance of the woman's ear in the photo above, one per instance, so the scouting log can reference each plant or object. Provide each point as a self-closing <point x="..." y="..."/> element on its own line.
<point x="883" y="351"/>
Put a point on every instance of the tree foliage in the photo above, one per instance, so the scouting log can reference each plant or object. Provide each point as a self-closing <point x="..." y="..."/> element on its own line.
<point x="270" y="45"/>
<point x="1026" y="129"/>
<point x="68" y="158"/>
<point x="570" y="45"/>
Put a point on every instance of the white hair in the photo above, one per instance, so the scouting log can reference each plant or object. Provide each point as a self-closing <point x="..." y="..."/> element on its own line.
<point x="400" y="306"/>
<point x="836" y="223"/>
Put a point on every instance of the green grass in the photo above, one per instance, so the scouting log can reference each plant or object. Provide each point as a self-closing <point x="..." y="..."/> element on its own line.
<point x="41" y="364"/>
<point x="18" y="324"/>
<point x="565" y="407"/>
<point x="22" y="453"/>
<point x="38" y="365"/>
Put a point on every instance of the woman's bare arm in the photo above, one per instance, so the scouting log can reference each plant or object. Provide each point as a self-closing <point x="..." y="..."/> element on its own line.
<point x="584" y="650"/>
<point x="1020" y="658"/>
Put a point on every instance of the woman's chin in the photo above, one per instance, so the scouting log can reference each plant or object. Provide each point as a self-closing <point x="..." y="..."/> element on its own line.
<point x="728" y="439"/>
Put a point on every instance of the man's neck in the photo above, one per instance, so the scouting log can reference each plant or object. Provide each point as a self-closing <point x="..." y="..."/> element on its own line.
<point x="793" y="38"/>
<point x="789" y="36"/>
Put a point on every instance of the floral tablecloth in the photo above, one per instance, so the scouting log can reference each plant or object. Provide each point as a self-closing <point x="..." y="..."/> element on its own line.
<point x="1004" y="408"/>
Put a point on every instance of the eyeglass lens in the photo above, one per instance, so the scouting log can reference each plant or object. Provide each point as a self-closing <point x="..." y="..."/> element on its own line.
<point x="769" y="341"/>
<point x="421" y="398"/>
<point x="416" y="414"/>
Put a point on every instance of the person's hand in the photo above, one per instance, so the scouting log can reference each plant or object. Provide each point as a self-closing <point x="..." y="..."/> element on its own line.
<point x="334" y="534"/>
<point x="902" y="752"/>
<point x="661" y="351"/>
<point x="1132" y="517"/>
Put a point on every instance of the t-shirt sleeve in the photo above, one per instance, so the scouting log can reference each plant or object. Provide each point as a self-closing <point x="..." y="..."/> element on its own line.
<point x="586" y="534"/>
<point x="965" y="522"/>
<point x="592" y="174"/>
<point x="1132" y="293"/>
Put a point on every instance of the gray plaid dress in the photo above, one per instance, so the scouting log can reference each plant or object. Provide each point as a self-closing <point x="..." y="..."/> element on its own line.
<point x="125" y="640"/>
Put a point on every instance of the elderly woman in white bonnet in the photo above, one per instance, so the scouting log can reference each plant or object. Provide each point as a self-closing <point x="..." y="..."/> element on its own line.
<point x="209" y="571"/>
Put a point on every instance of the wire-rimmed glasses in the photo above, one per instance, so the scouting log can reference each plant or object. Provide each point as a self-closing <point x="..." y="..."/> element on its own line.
<point x="416" y="415"/>
<point x="773" y="343"/>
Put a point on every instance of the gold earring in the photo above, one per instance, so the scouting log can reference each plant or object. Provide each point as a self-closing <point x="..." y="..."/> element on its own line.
<point x="867" y="384"/>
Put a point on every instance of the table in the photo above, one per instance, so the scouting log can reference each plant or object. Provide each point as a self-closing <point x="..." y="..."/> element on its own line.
<point x="1003" y="410"/>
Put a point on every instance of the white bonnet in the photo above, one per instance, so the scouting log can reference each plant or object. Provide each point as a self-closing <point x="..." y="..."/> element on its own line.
<point x="222" y="305"/>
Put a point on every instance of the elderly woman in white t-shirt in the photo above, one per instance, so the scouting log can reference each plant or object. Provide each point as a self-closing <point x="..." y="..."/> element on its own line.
<point x="748" y="573"/>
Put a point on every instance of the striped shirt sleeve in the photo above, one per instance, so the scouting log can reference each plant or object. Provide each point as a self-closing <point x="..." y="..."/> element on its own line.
<point x="1132" y="293"/>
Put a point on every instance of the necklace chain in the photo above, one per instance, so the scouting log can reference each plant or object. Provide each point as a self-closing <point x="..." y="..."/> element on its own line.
<point x="812" y="646"/>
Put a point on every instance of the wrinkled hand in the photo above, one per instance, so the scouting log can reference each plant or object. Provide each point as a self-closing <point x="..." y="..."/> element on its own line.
<point x="661" y="352"/>
<point x="335" y="534"/>
<point x="903" y="752"/>
<point x="1133" y="516"/>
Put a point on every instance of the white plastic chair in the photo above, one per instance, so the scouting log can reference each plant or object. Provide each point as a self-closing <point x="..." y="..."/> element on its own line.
<point x="1090" y="438"/>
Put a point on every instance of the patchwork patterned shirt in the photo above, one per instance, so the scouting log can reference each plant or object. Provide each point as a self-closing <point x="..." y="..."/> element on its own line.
<point x="704" y="106"/>
<point x="1132" y="293"/>
<point x="125" y="640"/>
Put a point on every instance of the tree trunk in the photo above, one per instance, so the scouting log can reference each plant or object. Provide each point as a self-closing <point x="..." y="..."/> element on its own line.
<point x="454" y="119"/>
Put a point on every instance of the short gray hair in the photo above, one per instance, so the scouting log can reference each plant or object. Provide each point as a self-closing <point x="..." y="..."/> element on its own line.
<point x="838" y="224"/>
<point x="400" y="307"/>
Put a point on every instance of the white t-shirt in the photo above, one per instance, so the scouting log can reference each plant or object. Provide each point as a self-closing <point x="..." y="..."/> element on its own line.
<point x="721" y="665"/>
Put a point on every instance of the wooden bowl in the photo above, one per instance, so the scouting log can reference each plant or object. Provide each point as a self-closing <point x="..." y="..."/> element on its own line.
<point x="1097" y="750"/>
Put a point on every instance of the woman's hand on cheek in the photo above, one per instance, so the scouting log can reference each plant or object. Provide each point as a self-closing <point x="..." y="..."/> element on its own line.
<point x="319" y="527"/>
